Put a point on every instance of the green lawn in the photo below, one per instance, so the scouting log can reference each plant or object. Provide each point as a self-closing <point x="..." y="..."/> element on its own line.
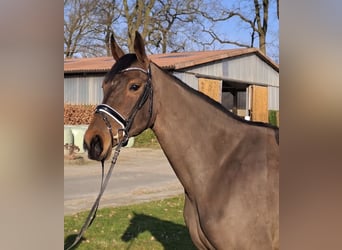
<point x="152" y="225"/>
<point x="146" y="139"/>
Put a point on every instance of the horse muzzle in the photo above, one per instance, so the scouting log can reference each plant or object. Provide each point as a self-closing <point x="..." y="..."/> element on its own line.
<point x="98" y="149"/>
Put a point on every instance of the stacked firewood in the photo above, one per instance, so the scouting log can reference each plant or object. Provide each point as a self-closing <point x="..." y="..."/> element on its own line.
<point x="78" y="114"/>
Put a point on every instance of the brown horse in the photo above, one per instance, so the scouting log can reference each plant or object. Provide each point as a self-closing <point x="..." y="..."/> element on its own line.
<point x="229" y="167"/>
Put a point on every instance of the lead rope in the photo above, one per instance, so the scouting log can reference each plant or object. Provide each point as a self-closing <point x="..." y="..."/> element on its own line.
<point x="141" y="101"/>
<point x="92" y="213"/>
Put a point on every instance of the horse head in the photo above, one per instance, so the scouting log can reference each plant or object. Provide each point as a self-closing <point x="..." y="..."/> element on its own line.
<point x="126" y="109"/>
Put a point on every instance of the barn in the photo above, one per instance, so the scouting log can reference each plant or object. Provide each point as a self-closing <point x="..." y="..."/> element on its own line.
<point x="244" y="81"/>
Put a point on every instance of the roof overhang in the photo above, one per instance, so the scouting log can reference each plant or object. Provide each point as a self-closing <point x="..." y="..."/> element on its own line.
<point x="169" y="61"/>
<point x="228" y="82"/>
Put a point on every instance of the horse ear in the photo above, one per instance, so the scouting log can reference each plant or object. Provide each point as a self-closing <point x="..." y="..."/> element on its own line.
<point x="116" y="50"/>
<point x="139" y="49"/>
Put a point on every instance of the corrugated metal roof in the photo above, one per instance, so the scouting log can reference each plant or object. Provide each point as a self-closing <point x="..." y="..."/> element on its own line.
<point x="168" y="61"/>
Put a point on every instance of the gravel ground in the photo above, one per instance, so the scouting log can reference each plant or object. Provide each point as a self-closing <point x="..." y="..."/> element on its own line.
<point x="140" y="175"/>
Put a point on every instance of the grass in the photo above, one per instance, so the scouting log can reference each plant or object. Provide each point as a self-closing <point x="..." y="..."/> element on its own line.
<point x="272" y="117"/>
<point x="152" y="225"/>
<point x="146" y="139"/>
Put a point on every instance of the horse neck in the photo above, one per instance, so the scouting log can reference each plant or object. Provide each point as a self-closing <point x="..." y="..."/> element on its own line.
<point x="190" y="131"/>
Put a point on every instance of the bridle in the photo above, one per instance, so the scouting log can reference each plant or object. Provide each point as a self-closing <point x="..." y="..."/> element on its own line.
<point x="126" y="124"/>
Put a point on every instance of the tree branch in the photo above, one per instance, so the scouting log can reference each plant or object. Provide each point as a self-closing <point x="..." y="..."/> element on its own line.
<point x="215" y="37"/>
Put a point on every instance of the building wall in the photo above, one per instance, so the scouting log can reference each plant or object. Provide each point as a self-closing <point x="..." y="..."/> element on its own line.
<point x="273" y="98"/>
<point x="83" y="90"/>
<point x="250" y="68"/>
<point x="253" y="69"/>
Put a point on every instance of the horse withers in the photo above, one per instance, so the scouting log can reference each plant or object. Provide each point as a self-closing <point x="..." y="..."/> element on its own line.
<point x="229" y="167"/>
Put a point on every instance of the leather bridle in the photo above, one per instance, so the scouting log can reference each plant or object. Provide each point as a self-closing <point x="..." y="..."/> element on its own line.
<point x="126" y="124"/>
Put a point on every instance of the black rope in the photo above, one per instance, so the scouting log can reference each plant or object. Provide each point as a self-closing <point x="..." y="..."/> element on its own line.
<point x="148" y="93"/>
<point x="92" y="213"/>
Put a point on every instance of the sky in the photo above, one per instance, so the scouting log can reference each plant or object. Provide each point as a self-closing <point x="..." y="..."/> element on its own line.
<point x="235" y="29"/>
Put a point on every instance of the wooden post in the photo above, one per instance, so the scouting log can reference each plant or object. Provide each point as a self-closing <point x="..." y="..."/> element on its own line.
<point x="235" y="100"/>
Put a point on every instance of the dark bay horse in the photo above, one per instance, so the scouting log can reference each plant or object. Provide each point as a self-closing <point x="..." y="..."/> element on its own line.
<point x="229" y="167"/>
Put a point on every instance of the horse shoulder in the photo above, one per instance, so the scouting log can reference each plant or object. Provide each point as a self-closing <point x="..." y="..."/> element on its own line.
<point x="240" y="196"/>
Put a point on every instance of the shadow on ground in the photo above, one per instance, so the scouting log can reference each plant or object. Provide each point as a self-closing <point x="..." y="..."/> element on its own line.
<point x="70" y="239"/>
<point x="169" y="234"/>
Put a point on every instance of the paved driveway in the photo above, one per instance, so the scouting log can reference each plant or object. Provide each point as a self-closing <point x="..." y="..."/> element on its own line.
<point x="139" y="175"/>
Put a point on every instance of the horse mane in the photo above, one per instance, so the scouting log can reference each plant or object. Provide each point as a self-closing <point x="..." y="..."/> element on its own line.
<point x="217" y="104"/>
<point x="128" y="59"/>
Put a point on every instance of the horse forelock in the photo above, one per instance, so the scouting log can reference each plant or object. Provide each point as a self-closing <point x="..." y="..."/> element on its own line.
<point x="123" y="63"/>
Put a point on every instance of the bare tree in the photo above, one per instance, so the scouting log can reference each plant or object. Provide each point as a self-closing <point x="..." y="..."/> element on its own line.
<point x="77" y="25"/>
<point x="261" y="22"/>
<point x="254" y="14"/>
<point x="137" y="16"/>
<point x="173" y="23"/>
<point x="107" y="14"/>
<point x="169" y="25"/>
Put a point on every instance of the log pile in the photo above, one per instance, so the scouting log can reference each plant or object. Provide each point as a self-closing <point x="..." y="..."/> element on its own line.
<point x="78" y="114"/>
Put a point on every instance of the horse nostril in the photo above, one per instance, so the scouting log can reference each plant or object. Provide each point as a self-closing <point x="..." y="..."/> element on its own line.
<point x="96" y="146"/>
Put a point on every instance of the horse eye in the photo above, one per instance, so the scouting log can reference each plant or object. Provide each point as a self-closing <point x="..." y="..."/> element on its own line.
<point x="134" y="87"/>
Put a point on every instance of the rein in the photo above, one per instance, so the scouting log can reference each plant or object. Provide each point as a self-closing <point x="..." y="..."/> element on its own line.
<point x="125" y="127"/>
<point x="92" y="213"/>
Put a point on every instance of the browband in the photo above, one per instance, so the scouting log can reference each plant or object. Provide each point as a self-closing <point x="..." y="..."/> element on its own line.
<point x="134" y="68"/>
